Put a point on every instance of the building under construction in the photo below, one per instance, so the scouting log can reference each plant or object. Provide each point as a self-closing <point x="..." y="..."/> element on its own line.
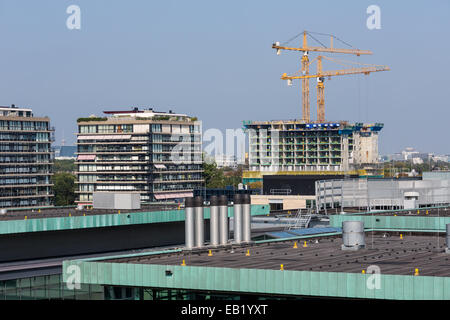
<point x="293" y="147"/>
<point x="314" y="147"/>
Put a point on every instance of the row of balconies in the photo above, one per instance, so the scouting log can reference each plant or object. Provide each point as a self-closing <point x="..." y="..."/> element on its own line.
<point x="19" y="129"/>
<point x="296" y="142"/>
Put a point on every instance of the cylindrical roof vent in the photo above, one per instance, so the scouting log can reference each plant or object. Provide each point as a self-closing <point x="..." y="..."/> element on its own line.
<point x="214" y="220"/>
<point x="245" y="198"/>
<point x="189" y="202"/>
<point x="189" y="221"/>
<point x="223" y="219"/>
<point x="198" y="201"/>
<point x="246" y="218"/>
<point x="223" y="200"/>
<point x="353" y="235"/>
<point x="237" y="218"/>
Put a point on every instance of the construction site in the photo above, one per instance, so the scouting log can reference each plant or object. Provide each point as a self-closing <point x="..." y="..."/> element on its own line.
<point x="314" y="147"/>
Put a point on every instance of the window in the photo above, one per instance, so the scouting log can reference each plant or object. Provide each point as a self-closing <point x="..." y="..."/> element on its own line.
<point x="88" y="129"/>
<point x="157" y="138"/>
<point x="157" y="148"/>
<point x="156" y="128"/>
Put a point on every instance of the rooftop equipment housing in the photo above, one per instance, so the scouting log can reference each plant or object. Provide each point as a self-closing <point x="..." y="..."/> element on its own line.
<point x="353" y="235"/>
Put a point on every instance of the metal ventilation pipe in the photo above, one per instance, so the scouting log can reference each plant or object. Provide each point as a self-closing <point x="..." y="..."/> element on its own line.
<point x="214" y="220"/>
<point x="246" y="218"/>
<point x="447" y="238"/>
<point x="199" y="222"/>
<point x="237" y="219"/>
<point x="353" y="235"/>
<point x="189" y="223"/>
<point x="223" y="219"/>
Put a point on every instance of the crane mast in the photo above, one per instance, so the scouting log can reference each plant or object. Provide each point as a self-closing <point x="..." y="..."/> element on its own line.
<point x="320" y="92"/>
<point x="305" y="82"/>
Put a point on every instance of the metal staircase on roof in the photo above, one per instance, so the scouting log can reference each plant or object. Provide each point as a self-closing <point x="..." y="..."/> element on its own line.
<point x="301" y="220"/>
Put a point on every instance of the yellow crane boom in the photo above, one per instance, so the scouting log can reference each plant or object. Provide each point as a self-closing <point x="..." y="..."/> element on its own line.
<point x="320" y="75"/>
<point x="320" y="49"/>
<point x="305" y="65"/>
<point x="342" y="72"/>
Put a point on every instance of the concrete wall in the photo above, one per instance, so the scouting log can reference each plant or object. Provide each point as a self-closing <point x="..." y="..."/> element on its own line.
<point x="289" y="202"/>
<point x="116" y="200"/>
<point x="365" y="148"/>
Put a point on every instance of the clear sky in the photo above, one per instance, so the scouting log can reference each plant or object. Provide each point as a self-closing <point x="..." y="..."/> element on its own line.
<point x="213" y="59"/>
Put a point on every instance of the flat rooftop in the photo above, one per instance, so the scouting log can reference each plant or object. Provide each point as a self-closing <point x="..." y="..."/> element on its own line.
<point x="387" y="250"/>
<point x="65" y="212"/>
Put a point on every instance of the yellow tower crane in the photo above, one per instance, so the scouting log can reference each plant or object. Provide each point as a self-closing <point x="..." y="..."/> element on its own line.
<point x="305" y="64"/>
<point x="367" y="69"/>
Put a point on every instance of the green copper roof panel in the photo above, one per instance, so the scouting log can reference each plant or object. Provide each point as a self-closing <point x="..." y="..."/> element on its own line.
<point x="106" y="220"/>
<point x="261" y="281"/>
<point x="394" y="222"/>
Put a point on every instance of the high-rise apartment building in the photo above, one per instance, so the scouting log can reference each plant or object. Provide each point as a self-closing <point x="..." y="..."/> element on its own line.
<point x="156" y="154"/>
<point x="26" y="159"/>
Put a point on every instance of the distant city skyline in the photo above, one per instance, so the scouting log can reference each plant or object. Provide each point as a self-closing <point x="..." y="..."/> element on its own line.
<point x="412" y="149"/>
<point x="214" y="60"/>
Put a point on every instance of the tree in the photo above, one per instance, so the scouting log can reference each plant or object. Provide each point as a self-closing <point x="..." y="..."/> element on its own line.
<point x="255" y="185"/>
<point x="221" y="177"/>
<point x="214" y="177"/>
<point x="64" y="188"/>
<point x="64" y="165"/>
<point x="234" y="177"/>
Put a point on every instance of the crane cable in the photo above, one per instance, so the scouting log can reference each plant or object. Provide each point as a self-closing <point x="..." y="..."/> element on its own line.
<point x="310" y="33"/>
<point x="291" y="39"/>
<point x="316" y="40"/>
<point x="359" y="98"/>
<point x="367" y="79"/>
<point x="331" y="35"/>
<point x="344" y="63"/>
<point x="347" y="62"/>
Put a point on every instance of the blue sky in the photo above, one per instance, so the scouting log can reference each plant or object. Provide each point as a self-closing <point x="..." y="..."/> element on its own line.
<point x="213" y="59"/>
